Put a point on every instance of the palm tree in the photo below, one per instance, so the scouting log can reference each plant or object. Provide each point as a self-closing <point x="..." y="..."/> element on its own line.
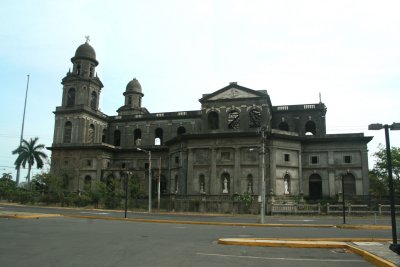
<point x="29" y="152"/>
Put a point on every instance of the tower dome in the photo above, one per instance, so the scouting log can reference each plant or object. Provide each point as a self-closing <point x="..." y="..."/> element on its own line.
<point x="134" y="86"/>
<point x="85" y="51"/>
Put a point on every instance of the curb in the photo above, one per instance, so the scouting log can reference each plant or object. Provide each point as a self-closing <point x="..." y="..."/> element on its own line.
<point x="314" y="243"/>
<point x="28" y="216"/>
<point x="368" y="227"/>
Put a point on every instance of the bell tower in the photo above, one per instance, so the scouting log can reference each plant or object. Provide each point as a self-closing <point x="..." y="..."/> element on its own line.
<point x="82" y="87"/>
<point x="78" y="119"/>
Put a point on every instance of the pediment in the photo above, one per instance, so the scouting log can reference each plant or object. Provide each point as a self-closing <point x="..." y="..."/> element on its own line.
<point x="233" y="91"/>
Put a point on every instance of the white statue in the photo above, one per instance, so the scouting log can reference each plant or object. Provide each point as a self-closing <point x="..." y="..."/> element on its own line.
<point x="202" y="188"/>
<point x="286" y="184"/>
<point x="225" y="190"/>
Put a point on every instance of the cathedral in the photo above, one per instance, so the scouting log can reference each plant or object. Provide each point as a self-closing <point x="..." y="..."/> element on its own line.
<point x="225" y="148"/>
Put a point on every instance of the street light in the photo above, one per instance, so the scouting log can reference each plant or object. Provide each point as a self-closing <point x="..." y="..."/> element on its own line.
<point x="149" y="153"/>
<point x="262" y="209"/>
<point x="395" y="126"/>
<point x="128" y="173"/>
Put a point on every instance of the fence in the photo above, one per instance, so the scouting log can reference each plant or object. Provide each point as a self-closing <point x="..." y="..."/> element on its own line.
<point x="295" y="209"/>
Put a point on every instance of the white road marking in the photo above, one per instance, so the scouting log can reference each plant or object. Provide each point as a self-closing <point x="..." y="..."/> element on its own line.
<point x="296" y="220"/>
<point x="268" y="258"/>
<point x="97" y="213"/>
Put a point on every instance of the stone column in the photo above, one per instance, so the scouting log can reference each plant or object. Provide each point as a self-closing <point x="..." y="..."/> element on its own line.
<point x="214" y="188"/>
<point x="236" y="175"/>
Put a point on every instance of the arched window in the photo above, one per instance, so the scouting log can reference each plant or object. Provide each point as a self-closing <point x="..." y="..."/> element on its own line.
<point x="286" y="184"/>
<point x="158" y="137"/>
<point x="78" y="69"/>
<point x="90" y="137"/>
<point x="349" y="184"/>
<point x="88" y="183"/>
<point x="250" y="184"/>
<point x="233" y="119"/>
<point x="202" y="184"/>
<point x="67" y="132"/>
<point x="225" y="182"/>
<point x="315" y="186"/>
<point x="93" y="100"/>
<point x="91" y="74"/>
<point x="310" y="128"/>
<point x="254" y="118"/>
<point x="71" y="97"/>
<point x="213" y="120"/>
<point x="104" y="136"/>
<point x="284" y="126"/>
<point x="181" y="130"/>
<point x="117" y="138"/>
<point x="129" y="100"/>
<point x="137" y="137"/>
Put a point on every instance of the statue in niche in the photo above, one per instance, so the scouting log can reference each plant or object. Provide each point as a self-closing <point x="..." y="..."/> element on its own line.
<point x="138" y="142"/>
<point x="225" y="190"/>
<point x="250" y="187"/>
<point x="286" y="185"/>
<point x="202" y="188"/>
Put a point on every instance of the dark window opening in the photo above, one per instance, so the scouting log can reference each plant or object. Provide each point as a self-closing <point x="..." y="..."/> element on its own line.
<point x="78" y="69"/>
<point x="310" y="128"/>
<point x="349" y="185"/>
<point x="213" y="120"/>
<point x="87" y="183"/>
<point x="283" y="126"/>
<point x="347" y="159"/>
<point x="176" y="160"/>
<point x="117" y="138"/>
<point x="67" y="132"/>
<point x="314" y="159"/>
<point x="233" y="119"/>
<point x="250" y="184"/>
<point x="146" y="166"/>
<point x="93" y="100"/>
<point x="129" y="100"/>
<point x="91" y="74"/>
<point x="225" y="156"/>
<point x="88" y="163"/>
<point x="287" y="157"/>
<point x="158" y="137"/>
<point x="202" y="183"/>
<point x="254" y="118"/>
<point x="137" y="137"/>
<point x="181" y="130"/>
<point x="104" y="135"/>
<point x="123" y="165"/>
<point x="71" y="97"/>
<point x="315" y="187"/>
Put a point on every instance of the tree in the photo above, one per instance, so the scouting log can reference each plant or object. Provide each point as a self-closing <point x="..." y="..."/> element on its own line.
<point x="29" y="153"/>
<point x="379" y="176"/>
<point x="7" y="186"/>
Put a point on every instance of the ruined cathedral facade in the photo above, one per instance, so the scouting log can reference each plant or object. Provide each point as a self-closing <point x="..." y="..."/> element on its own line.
<point x="214" y="151"/>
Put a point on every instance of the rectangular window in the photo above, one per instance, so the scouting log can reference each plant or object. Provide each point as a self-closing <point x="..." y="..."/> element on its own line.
<point x="146" y="166"/>
<point x="176" y="160"/>
<point x="88" y="163"/>
<point x="225" y="156"/>
<point x="314" y="160"/>
<point x="347" y="159"/>
<point x="287" y="157"/>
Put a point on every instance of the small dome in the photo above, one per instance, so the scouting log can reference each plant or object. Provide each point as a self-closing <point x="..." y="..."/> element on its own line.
<point x="85" y="51"/>
<point x="134" y="86"/>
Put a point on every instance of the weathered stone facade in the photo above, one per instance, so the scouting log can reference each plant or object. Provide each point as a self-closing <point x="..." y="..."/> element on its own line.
<point x="212" y="151"/>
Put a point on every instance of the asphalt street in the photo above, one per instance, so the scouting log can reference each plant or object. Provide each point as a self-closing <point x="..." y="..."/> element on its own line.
<point x="305" y="219"/>
<point x="63" y="241"/>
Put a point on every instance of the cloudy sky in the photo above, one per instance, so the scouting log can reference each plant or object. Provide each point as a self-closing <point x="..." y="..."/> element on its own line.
<point x="349" y="51"/>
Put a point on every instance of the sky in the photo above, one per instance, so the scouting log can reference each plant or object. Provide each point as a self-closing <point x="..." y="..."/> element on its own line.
<point x="347" y="51"/>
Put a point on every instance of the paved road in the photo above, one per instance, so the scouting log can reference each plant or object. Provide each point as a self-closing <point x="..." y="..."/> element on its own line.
<point x="335" y="220"/>
<point x="62" y="241"/>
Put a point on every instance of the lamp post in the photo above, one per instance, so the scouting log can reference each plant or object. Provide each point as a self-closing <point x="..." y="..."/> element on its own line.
<point x="344" y="203"/>
<point x="262" y="211"/>
<point x="395" y="126"/>
<point x="128" y="173"/>
<point x="149" y="153"/>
